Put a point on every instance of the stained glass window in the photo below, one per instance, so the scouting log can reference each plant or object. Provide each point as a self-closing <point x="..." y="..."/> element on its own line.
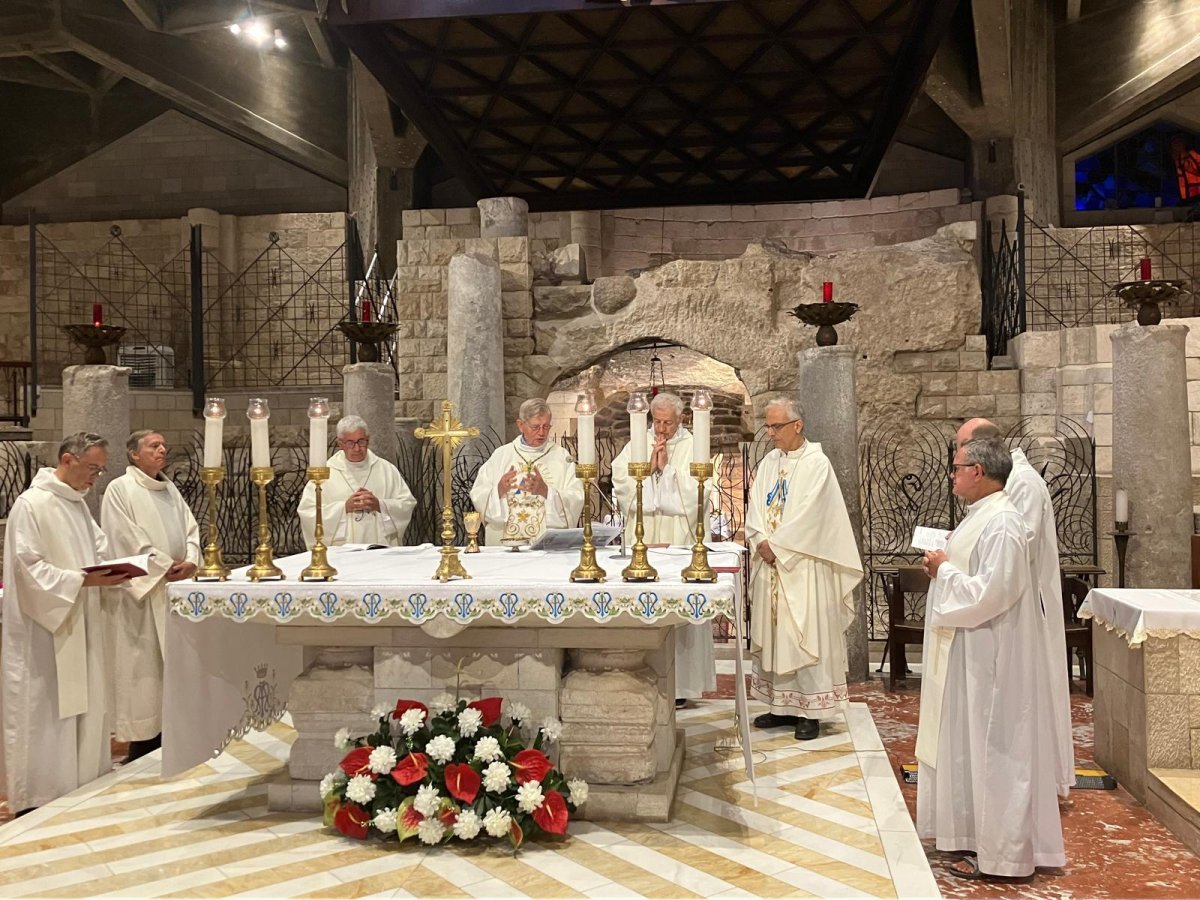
<point x="1158" y="166"/>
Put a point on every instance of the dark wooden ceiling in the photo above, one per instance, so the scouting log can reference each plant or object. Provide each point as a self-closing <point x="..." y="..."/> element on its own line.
<point x="573" y="104"/>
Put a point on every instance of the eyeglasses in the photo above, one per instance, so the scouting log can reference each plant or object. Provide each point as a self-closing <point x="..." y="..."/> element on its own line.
<point x="771" y="429"/>
<point x="92" y="468"/>
<point x="955" y="466"/>
<point x="354" y="445"/>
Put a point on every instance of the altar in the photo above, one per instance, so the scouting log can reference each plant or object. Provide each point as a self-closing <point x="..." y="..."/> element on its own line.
<point x="598" y="656"/>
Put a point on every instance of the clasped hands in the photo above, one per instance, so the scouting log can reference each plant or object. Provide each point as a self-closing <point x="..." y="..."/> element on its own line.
<point x="932" y="561"/>
<point x="362" y="500"/>
<point x="534" y="483"/>
<point x="658" y="458"/>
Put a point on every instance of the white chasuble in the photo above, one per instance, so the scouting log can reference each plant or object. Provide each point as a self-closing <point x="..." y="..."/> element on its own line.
<point x="802" y="605"/>
<point x="55" y="707"/>
<point x="985" y="745"/>
<point x="1028" y="492"/>
<point x="669" y="517"/>
<point x="381" y="478"/>
<point x="140" y="514"/>
<point x="560" y="507"/>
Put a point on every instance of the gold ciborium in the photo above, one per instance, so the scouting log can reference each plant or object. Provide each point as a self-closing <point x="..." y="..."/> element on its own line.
<point x="639" y="568"/>
<point x="264" y="568"/>
<point x="213" y="568"/>
<point x="318" y="568"/>
<point x="588" y="569"/>
<point x="472" y="522"/>
<point x="700" y="570"/>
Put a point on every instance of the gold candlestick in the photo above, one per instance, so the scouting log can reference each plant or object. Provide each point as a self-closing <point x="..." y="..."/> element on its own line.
<point x="700" y="570"/>
<point x="318" y="568"/>
<point x="471" y="521"/>
<point x="264" y="567"/>
<point x="639" y="568"/>
<point x="588" y="569"/>
<point x="213" y="568"/>
<point x="447" y="433"/>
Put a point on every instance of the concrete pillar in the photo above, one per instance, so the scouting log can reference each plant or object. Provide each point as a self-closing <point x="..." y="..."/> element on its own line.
<point x="825" y="383"/>
<point x="503" y="217"/>
<point x="369" y="391"/>
<point x="475" y="341"/>
<point x="96" y="399"/>
<point x="1152" y="452"/>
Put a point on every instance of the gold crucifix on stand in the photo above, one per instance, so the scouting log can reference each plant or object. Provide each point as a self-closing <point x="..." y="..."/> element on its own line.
<point x="447" y="434"/>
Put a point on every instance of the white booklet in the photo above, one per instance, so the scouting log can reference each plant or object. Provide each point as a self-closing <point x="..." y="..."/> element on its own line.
<point x="572" y="538"/>
<point x="929" y="538"/>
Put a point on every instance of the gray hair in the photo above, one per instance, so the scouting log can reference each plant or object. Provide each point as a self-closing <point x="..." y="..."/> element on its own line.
<point x="80" y="443"/>
<point x="666" y="399"/>
<point x="347" y="424"/>
<point x="791" y="406"/>
<point x="534" y="406"/>
<point x="135" y="441"/>
<point x="992" y="455"/>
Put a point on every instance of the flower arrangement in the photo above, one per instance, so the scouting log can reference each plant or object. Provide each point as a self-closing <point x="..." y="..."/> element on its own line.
<point x="450" y="770"/>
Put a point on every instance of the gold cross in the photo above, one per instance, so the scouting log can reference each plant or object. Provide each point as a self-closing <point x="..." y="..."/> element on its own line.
<point x="447" y="433"/>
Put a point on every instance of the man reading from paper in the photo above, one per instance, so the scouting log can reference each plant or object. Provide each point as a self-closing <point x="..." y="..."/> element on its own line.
<point x="669" y="517"/>
<point x="804" y="568"/>
<point x="55" y="709"/>
<point x="528" y="485"/>
<point x="143" y="512"/>
<point x="1027" y="491"/>
<point x="987" y="771"/>
<point x="365" y="500"/>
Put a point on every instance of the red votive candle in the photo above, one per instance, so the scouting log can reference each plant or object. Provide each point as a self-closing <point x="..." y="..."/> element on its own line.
<point x="1145" y="268"/>
<point x="827" y="292"/>
<point x="97" y="315"/>
<point x="366" y="310"/>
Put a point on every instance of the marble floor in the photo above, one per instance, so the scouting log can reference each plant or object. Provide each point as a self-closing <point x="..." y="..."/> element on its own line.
<point x="829" y="820"/>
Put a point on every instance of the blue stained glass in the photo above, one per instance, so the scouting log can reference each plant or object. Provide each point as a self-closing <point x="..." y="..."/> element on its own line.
<point x="1158" y="166"/>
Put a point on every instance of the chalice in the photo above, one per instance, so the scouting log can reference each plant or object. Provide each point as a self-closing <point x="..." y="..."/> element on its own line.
<point x="472" y="520"/>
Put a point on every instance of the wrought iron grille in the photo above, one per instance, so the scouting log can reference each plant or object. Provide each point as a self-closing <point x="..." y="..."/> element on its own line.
<point x="1002" y="282"/>
<point x="14" y="392"/>
<point x="17" y="466"/>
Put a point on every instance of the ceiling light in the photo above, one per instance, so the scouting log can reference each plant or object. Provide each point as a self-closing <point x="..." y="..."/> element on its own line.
<point x="258" y="33"/>
<point x="280" y="43"/>
<point x="235" y="28"/>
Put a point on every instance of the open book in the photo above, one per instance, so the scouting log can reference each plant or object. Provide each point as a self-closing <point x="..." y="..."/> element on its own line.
<point x="572" y="538"/>
<point x="929" y="538"/>
<point x="133" y="566"/>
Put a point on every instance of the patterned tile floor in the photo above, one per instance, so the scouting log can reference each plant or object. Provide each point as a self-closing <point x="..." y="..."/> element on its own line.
<point x="829" y="820"/>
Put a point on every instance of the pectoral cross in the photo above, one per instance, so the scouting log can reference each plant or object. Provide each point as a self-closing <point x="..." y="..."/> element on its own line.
<point x="447" y="433"/>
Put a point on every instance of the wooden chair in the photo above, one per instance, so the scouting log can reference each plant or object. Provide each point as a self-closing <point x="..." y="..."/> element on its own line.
<point x="1078" y="631"/>
<point x="901" y="629"/>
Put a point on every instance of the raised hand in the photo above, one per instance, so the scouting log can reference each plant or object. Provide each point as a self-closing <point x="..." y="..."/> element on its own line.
<point x="507" y="482"/>
<point x="536" y="484"/>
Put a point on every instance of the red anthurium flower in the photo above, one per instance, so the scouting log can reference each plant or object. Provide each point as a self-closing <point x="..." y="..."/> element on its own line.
<point x="411" y="769"/>
<point x="355" y="762"/>
<point x="462" y="782"/>
<point x="449" y="814"/>
<point x="530" y="765"/>
<point x="352" y="820"/>
<point x="403" y="706"/>
<point x="552" y="815"/>
<point x="490" y="709"/>
<point x="408" y="820"/>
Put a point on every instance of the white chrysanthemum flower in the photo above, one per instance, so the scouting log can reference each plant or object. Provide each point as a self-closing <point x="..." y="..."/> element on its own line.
<point x="496" y="777"/>
<point x="327" y="785"/>
<point x="488" y="749"/>
<point x="411" y="720"/>
<point x="382" y="760"/>
<point x="361" y="789"/>
<point x="428" y="800"/>
<point x="441" y="748"/>
<point x="497" y="822"/>
<point x="341" y="739"/>
<point x="467" y="825"/>
<point x="442" y="703"/>
<point x="529" y="796"/>
<point x="552" y="728"/>
<point x="385" y="820"/>
<point x="579" y="791"/>
<point x="469" y="722"/>
<point x="380" y="711"/>
<point x="518" y="712"/>
<point x="431" y="831"/>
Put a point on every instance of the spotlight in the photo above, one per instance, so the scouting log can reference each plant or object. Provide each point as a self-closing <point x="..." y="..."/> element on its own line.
<point x="235" y="28"/>
<point x="258" y="33"/>
<point x="280" y="43"/>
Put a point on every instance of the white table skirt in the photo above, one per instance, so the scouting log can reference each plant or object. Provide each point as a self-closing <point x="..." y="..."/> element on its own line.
<point x="1139" y="613"/>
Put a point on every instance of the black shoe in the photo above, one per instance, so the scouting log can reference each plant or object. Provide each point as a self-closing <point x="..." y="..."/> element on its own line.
<point x="680" y="702"/>
<point x="807" y="729"/>
<point x="770" y="720"/>
<point x="138" y="749"/>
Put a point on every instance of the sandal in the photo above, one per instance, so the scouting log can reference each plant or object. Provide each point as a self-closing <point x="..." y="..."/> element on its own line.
<point x="971" y="870"/>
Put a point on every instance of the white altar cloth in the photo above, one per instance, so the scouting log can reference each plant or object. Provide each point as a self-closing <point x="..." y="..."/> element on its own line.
<point x="1139" y="613"/>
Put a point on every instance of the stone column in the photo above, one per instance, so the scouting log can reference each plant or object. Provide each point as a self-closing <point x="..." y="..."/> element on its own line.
<point x="96" y="399"/>
<point x="503" y="217"/>
<point x="1152" y="452"/>
<point x="369" y="391"/>
<point x="825" y="383"/>
<point x="475" y="341"/>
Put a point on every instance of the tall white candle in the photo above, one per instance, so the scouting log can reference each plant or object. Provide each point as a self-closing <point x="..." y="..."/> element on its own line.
<point x="701" y="422"/>
<point x="259" y="415"/>
<point x="1121" y="507"/>
<point x="587" y="439"/>
<point x="318" y="432"/>
<point x="214" y="429"/>
<point x="638" y="438"/>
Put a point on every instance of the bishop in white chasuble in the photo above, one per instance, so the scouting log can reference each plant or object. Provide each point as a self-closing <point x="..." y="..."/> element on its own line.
<point x="804" y="568"/>
<point x="528" y="485"/>
<point x="55" y="697"/>
<point x="143" y="512"/>
<point x="669" y="499"/>
<point x="986" y="780"/>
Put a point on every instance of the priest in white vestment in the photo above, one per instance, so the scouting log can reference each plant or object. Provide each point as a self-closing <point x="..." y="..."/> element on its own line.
<point x="986" y="783"/>
<point x="1027" y="491"/>
<point x="669" y="517"/>
<point x="529" y="484"/>
<point x="143" y="512"/>
<point x="804" y="568"/>
<point x="365" y="501"/>
<point x="55" y="681"/>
